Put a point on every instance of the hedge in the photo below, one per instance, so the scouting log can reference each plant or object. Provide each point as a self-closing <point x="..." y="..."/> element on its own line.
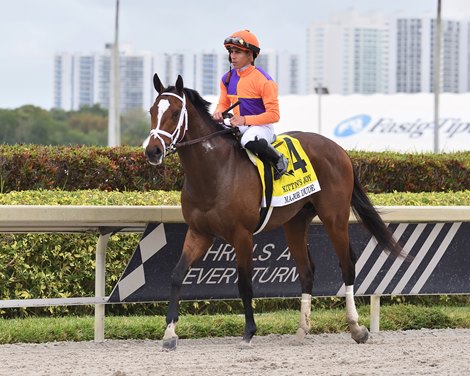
<point x="70" y="168"/>
<point x="423" y="172"/>
<point x="31" y="167"/>
<point x="55" y="266"/>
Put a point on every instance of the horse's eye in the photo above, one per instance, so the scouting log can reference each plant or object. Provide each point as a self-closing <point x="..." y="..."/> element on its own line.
<point x="175" y="114"/>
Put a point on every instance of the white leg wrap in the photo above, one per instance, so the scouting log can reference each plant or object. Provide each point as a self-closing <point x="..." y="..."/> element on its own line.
<point x="359" y="333"/>
<point x="351" y="312"/>
<point x="305" y="311"/>
<point x="170" y="331"/>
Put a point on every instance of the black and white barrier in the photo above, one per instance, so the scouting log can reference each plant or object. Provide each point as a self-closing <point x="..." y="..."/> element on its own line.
<point x="440" y="265"/>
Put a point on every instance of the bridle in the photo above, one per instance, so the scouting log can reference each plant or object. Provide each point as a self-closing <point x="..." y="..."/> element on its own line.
<point x="181" y="129"/>
<point x="176" y="135"/>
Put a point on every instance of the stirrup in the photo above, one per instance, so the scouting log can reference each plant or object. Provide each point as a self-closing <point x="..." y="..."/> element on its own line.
<point x="281" y="167"/>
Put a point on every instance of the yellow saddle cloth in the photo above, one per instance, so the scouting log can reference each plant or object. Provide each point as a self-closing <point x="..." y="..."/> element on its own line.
<point x="300" y="179"/>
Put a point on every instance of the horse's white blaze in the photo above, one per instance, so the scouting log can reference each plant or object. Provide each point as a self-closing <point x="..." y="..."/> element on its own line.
<point x="163" y="105"/>
<point x="146" y="142"/>
<point x="351" y="312"/>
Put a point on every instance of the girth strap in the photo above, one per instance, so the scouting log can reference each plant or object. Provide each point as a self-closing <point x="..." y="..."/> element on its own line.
<point x="265" y="212"/>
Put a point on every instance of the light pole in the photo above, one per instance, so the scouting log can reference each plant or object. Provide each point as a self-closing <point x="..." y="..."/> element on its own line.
<point x="114" y="121"/>
<point x="319" y="90"/>
<point x="437" y="76"/>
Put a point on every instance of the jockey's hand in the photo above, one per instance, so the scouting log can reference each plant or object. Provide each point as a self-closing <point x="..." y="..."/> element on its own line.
<point x="217" y="116"/>
<point x="237" y="120"/>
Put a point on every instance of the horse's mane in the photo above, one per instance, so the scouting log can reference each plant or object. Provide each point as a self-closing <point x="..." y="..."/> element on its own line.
<point x="201" y="105"/>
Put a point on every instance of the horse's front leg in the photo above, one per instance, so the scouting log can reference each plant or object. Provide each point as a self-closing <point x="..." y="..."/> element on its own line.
<point x="195" y="246"/>
<point x="296" y="235"/>
<point x="244" y="252"/>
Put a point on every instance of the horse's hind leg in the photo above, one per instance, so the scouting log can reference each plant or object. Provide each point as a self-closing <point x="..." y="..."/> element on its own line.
<point x="296" y="235"/>
<point x="338" y="232"/>
<point x="195" y="246"/>
<point x="358" y="332"/>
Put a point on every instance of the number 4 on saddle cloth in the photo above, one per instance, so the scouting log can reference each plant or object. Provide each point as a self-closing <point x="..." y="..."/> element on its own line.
<point x="298" y="182"/>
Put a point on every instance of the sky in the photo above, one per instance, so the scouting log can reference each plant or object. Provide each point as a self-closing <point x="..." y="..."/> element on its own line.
<point x="32" y="31"/>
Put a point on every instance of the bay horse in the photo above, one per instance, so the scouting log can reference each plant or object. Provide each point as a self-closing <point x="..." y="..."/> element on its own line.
<point x="221" y="198"/>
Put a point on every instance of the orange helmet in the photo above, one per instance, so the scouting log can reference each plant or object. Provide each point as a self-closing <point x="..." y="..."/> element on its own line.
<point x="243" y="39"/>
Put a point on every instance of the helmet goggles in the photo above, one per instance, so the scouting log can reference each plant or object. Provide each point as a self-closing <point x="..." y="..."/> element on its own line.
<point x="240" y="43"/>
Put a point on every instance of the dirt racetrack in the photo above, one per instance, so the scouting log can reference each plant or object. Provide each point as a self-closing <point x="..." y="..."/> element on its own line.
<point x="418" y="352"/>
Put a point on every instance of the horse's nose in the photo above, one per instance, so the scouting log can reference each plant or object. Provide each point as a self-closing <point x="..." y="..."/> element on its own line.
<point x="153" y="154"/>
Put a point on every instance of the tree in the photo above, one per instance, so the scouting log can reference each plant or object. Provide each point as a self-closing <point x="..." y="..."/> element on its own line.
<point x="135" y="127"/>
<point x="87" y="126"/>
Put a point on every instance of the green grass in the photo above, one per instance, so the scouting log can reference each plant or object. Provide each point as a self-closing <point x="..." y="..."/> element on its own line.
<point x="393" y="317"/>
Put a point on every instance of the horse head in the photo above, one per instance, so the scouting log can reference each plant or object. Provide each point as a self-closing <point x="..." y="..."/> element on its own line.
<point x="169" y="120"/>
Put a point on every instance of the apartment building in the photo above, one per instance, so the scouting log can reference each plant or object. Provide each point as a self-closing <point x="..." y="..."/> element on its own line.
<point x="414" y="57"/>
<point x="348" y="54"/>
<point x="83" y="79"/>
<point x="369" y="53"/>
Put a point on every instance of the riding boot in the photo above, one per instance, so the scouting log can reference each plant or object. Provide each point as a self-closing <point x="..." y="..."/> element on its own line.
<point x="266" y="152"/>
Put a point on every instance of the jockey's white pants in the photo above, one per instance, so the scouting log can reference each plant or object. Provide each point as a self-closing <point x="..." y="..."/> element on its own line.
<point x="250" y="133"/>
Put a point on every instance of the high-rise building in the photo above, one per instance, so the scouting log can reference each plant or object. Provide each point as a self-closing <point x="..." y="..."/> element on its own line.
<point x="289" y="74"/>
<point x="406" y="57"/>
<point x="413" y="43"/>
<point x="284" y="68"/>
<point x="63" y="78"/>
<point x="202" y="71"/>
<point x="83" y="79"/>
<point x="179" y="63"/>
<point x="209" y="68"/>
<point x="348" y="54"/>
<point x="354" y="53"/>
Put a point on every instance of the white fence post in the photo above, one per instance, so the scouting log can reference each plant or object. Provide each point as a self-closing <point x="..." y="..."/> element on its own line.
<point x="100" y="285"/>
<point x="374" y="313"/>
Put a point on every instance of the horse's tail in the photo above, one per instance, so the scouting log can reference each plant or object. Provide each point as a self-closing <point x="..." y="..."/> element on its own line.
<point x="365" y="211"/>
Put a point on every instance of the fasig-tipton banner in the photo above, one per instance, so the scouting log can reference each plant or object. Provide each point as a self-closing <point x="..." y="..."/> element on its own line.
<point x="441" y="265"/>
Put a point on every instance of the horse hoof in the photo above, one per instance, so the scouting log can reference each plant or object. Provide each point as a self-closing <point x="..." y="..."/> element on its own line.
<point x="361" y="336"/>
<point x="245" y="345"/>
<point x="170" y="344"/>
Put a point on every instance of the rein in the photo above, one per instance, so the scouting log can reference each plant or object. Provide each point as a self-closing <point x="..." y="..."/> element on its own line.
<point x="207" y="137"/>
<point x="177" y="135"/>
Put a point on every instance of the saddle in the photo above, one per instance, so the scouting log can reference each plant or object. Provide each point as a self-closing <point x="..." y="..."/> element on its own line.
<point x="298" y="182"/>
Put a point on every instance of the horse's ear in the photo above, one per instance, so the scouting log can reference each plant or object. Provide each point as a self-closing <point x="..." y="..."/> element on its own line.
<point x="179" y="84"/>
<point x="157" y="84"/>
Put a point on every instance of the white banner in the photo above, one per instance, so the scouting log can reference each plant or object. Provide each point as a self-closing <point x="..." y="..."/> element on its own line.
<point x="401" y="122"/>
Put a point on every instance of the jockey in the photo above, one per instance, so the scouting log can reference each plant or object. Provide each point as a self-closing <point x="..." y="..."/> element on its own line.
<point x="258" y="96"/>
